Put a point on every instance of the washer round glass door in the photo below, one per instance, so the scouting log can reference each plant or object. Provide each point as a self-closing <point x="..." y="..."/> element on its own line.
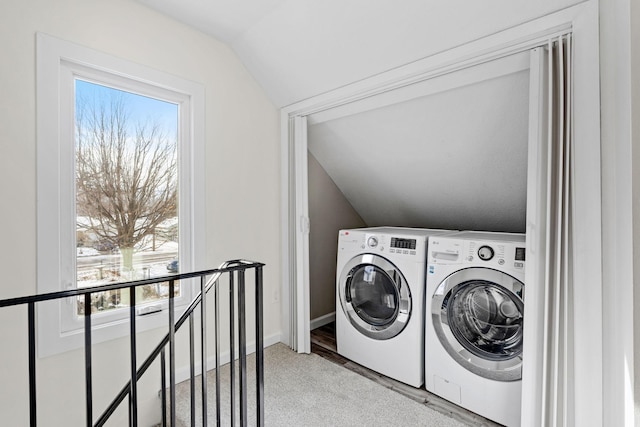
<point x="375" y="296"/>
<point x="477" y="314"/>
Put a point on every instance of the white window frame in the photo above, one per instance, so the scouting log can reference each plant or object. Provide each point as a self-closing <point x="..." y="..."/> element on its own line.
<point x="59" y="64"/>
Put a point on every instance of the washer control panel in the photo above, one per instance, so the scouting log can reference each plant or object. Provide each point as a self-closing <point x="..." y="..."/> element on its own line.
<point x="498" y="254"/>
<point x="493" y="254"/>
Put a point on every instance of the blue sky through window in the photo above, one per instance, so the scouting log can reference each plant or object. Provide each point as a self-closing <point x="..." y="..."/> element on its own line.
<point x="142" y="109"/>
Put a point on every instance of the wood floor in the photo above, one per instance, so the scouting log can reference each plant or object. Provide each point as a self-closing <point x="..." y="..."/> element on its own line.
<point x="323" y="343"/>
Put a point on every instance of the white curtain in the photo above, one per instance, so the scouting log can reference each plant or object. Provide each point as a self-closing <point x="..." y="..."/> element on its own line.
<point x="547" y="370"/>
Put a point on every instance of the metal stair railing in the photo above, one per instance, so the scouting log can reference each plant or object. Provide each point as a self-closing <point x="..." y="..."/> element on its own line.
<point x="232" y="268"/>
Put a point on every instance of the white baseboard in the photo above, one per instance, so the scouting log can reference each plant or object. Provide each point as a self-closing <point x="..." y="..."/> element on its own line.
<point x="322" y="320"/>
<point x="183" y="373"/>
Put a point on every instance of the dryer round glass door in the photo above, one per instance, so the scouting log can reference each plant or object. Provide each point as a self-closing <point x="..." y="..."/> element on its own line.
<point x="375" y="296"/>
<point x="477" y="314"/>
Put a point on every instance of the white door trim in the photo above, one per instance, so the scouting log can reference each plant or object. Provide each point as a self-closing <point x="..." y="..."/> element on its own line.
<point x="616" y="21"/>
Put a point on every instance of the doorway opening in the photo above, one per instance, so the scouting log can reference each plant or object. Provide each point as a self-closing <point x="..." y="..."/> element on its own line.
<point x="586" y="317"/>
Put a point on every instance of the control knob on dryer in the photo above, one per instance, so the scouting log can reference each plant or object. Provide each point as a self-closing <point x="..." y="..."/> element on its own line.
<point x="372" y="241"/>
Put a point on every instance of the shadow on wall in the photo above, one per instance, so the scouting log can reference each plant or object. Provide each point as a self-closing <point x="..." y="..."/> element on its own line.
<point x="329" y="212"/>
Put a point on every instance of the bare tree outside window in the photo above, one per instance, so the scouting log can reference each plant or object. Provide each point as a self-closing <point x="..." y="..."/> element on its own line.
<point x="126" y="191"/>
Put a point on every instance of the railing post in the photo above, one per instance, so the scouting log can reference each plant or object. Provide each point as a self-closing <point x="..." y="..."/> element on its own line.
<point x="203" y="349"/>
<point x="242" y="340"/>
<point x="232" y="343"/>
<point x="172" y="354"/>
<point x="192" y="372"/>
<point x="216" y="313"/>
<point x="32" y="365"/>
<point x="133" y="393"/>
<point x="163" y="384"/>
<point x="87" y="359"/>
<point x="259" y="350"/>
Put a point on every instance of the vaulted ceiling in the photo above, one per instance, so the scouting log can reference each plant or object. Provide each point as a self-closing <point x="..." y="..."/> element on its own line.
<point x="453" y="158"/>
<point x="297" y="49"/>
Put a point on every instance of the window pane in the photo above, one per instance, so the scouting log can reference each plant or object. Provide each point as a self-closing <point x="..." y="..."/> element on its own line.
<point x="126" y="191"/>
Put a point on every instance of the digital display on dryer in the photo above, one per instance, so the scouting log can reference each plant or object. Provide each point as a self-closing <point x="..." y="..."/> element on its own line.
<point x="520" y="254"/>
<point x="399" y="243"/>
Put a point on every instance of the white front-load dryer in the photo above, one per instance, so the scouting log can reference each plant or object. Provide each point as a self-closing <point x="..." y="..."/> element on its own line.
<point x="380" y="284"/>
<point x="473" y="334"/>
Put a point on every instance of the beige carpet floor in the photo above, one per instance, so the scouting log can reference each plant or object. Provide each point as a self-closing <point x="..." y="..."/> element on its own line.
<point x="307" y="390"/>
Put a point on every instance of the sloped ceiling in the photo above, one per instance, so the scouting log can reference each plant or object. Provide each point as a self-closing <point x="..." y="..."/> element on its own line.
<point x="226" y="20"/>
<point x="454" y="160"/>
<point x="297" y="49"/>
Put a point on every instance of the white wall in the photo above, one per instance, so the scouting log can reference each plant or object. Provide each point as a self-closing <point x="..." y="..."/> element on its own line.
<point x="242" y="181"/>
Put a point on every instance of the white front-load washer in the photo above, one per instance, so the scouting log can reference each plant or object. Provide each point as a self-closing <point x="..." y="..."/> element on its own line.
<point x="473" y="334"/>
<point x="380" y="284"/>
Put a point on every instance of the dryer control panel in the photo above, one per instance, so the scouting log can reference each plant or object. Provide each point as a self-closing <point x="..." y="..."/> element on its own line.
<point x="382" y="243"/>
<point x="390" y="244"/>
<point x="400" y="245"/>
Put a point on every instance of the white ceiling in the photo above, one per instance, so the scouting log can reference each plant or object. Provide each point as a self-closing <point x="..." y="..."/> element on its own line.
<point x="454" y="160"/>
<point x="226" y="20"/>
<point x="297" y="49"/>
